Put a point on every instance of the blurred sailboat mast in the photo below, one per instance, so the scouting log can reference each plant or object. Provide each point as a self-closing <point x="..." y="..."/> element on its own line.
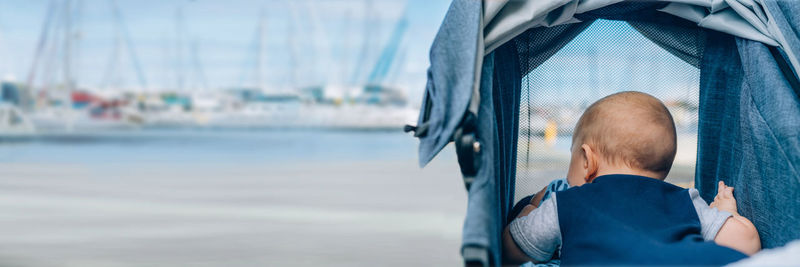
<point x="255" y="58"/>
<point x="121" y="39"/>
<point x="40" y="47"/>
<point x="261" y="50"/>
<point x="346" y="50"/>
<point x="292" y="29"/>
<point x="366" y="45"/>
<point x="68" y="82"/>
<point x="179" y="73"/>
<point x="321" y="45"/>
<point x="53" y="41"/>
<point x="197" y="66"/>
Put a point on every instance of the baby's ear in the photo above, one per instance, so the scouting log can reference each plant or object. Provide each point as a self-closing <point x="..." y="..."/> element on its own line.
<point x="590" y="163"/>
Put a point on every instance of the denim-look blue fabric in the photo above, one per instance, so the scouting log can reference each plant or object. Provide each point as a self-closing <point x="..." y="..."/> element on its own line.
<point x="506" y="92"/>
<point x="483" y="220"/>
<point x="492" y="193"/>
<point x="786" y="15"/>
<point x="451" y="76"/>
<point x="749" y="136"/>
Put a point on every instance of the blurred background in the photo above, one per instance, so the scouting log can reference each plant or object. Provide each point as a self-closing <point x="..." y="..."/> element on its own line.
<point x="219" y="133"/>
<point x="264" y="133"/>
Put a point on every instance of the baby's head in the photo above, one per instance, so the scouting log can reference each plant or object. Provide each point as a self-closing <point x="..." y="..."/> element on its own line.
<point x="623" y="133"/>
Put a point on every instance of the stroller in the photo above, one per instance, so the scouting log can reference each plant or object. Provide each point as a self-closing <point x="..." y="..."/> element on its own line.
<point x="489" y="69"/>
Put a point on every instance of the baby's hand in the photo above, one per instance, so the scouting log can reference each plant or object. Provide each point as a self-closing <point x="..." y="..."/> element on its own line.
<point x="724" y="199"/>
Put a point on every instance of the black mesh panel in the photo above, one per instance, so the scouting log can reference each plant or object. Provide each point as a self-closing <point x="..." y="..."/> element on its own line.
<point x="608" y="57"/>
<point x="686" y="43"/>
<point x="535" y="46"/>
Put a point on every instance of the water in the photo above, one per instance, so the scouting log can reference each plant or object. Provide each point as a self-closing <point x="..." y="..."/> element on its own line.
<point x="228" y="198"/>
<point x="200" y="147"/>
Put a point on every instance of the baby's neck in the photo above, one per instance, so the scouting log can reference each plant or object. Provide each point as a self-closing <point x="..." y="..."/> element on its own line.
<point x="606" y="170"/>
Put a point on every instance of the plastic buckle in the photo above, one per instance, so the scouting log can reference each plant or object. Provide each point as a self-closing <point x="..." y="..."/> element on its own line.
<point x="468" y="148"/>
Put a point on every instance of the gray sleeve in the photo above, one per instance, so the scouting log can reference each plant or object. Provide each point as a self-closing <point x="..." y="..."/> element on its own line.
<point x="538" y="234"/>
<point x="711" y="219"/>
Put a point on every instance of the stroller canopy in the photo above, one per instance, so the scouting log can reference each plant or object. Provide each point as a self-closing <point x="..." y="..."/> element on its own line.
<point x="749" y="98"/>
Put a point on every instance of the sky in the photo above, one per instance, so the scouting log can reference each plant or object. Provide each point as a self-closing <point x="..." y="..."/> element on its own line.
<point x="208" y="44"/>
<point x="607" y="57"/>
<point x="306" y="42"/>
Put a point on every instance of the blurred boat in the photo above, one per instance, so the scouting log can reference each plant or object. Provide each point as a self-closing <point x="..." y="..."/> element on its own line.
<point x="289" y="110"/>
<point x="59" y="121"/>
<point x="13" y="122"/>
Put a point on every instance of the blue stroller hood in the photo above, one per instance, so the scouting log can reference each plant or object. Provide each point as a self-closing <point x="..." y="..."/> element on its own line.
<point x="749" y="100"/>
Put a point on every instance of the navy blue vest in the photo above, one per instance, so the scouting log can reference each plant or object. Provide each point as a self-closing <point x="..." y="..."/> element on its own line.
<point x="633" y="220"/>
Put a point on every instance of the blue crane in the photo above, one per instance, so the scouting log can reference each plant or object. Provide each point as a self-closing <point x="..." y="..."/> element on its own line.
<point x="389" y="53"/>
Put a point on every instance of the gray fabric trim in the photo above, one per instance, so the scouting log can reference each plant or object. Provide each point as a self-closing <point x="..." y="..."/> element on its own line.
<point x="475" y="99"/>
<point x="743" y="18"/>
<point x="538" y="234"/>
<point x="728" y="20"/>
<point x="711" y="219"/>
<point x="749" y="19"/>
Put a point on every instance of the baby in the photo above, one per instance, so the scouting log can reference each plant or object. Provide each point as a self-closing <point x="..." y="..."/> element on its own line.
<point x="618" y="210"/>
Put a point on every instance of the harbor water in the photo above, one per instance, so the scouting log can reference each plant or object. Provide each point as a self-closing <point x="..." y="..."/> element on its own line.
<point x="232" y="198"/>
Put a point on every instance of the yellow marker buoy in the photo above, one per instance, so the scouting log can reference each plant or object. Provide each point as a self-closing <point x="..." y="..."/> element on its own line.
<point x="550" y="133"/>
